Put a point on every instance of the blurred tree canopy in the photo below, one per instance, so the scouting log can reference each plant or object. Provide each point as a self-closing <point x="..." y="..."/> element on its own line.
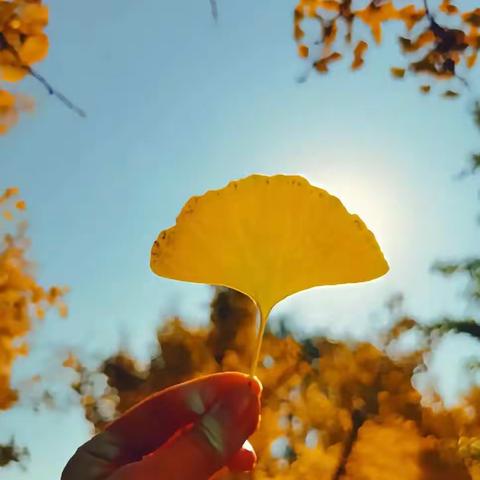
<point x="22" y="302"/>
<point x="330" y="409"/>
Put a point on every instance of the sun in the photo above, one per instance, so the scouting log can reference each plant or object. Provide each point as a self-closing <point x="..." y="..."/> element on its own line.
<point x="376" y="198"/>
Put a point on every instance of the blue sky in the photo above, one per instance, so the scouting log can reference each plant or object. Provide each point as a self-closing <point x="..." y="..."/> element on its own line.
<point x="178" y="105"/>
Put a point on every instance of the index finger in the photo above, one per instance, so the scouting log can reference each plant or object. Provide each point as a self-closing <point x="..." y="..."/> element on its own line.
<point x="204" y="447"/>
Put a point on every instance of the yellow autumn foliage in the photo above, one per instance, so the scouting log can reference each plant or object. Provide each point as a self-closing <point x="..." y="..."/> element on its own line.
<point x="22" y="299"/>
<point x="429" y="43"/>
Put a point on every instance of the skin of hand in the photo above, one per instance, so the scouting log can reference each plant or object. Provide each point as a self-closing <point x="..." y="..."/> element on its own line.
<point x="191" y="431"/>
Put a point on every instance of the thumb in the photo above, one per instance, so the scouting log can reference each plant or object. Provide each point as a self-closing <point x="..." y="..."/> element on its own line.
<point x="201" y="449"/>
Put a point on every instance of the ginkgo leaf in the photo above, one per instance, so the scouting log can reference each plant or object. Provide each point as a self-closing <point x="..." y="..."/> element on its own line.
<point x="448" y="8"/>
<point x="358" y="54"/>
<point x="34" y="49"/>
<point x="33" y="18"/>
<point x="11" y="73"/>
<point x="450" y="94"/>
<point x="303" y="51"/>
<point x="397" y="72"/>
<point x="7" y="100"/>
<point x="268" y="237"/>
<point x="374" y="15"/>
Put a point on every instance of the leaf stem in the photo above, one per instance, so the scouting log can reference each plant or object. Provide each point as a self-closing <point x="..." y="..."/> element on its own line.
<point x="261" y="331"/>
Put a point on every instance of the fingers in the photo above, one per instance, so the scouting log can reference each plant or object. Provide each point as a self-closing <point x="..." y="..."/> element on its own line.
<point x="201" y="449"/>
<point x="94" y="460"/>
<point x="148" y="425"/>
<point x="243" y="461"/>
<point x="152" y="422"/>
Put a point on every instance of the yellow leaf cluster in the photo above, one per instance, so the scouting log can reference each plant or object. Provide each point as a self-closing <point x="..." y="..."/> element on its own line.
<point x="22" y="299"/>
<point x="405" y="454"/>
<point x="375" y="14"/>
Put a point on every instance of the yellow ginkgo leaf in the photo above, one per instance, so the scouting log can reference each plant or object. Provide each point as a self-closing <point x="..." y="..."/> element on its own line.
<point x="7" y="100"/>
<point x="33" y="18"/>
<point x="11" y="73"/>
<point x="268" y="237"/>
<point x="34" y="49"/>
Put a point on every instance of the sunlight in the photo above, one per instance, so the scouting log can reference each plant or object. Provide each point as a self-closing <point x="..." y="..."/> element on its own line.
<point x="373" y="193"/>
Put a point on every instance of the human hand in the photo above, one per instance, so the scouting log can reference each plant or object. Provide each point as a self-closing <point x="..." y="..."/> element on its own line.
<point x="188" y="431"/>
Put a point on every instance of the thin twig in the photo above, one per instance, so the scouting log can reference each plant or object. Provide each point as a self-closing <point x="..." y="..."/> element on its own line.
<point x="214" y="9"/>
<point x="427" y="10"/>
<point x="59" y="95"/>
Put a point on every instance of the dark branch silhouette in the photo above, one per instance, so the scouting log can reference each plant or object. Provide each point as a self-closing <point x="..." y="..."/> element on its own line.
<point x="214" y="9"/>
<point x="358" y="419"/>
<point x="59" y="95"/>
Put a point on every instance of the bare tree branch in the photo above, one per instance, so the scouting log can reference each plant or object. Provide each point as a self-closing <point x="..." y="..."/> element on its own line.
<point x="358" y="419"/>
<point x="68" y="103"/>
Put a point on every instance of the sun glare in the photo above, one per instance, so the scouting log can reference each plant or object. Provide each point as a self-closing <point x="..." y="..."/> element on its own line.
<point x="376" y="196"/>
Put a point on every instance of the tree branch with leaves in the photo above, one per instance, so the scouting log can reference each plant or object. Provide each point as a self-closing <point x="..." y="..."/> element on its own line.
<point x="443" y="49"/>
<point x="23" y="43"/>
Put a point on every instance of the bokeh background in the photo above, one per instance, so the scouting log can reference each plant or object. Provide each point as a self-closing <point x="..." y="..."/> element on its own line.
<point x="178" y="104"/>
